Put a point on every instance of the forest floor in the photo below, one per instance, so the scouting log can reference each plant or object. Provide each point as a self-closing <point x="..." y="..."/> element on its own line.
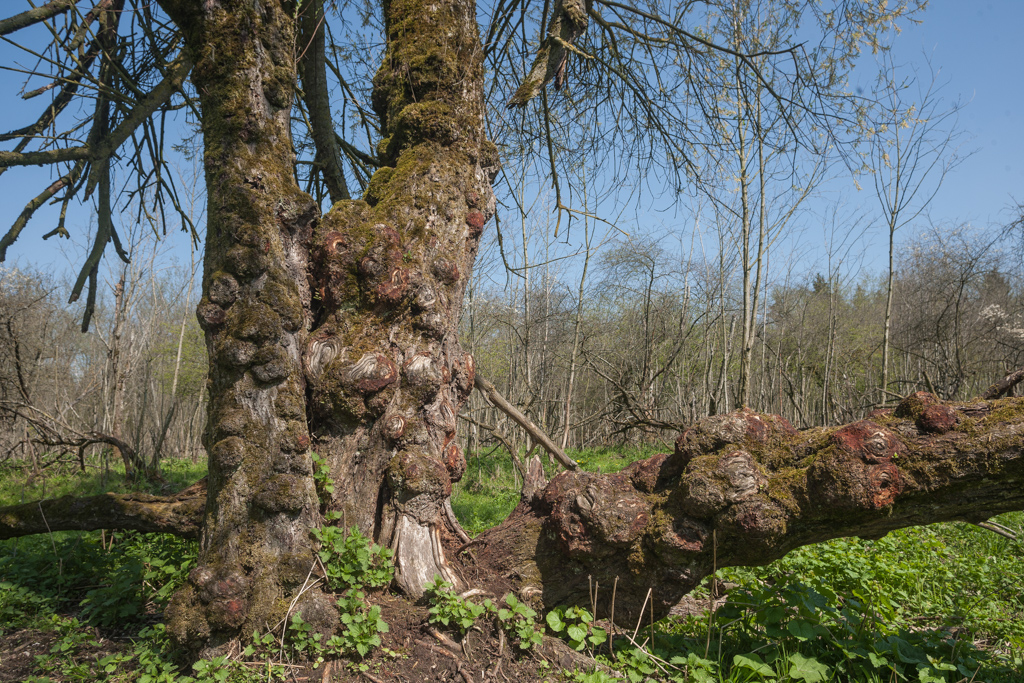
<point x="938" y="604"/>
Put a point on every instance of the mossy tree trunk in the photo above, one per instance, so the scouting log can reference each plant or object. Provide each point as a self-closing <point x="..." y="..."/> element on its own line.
<point x="745" y="489"/>
<point x="386" y="373"/>
<point x="335" y="335"/>
<point x="255" y="547"/>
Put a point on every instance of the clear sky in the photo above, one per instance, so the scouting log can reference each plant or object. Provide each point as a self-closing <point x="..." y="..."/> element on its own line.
<point x="972" y="44"/>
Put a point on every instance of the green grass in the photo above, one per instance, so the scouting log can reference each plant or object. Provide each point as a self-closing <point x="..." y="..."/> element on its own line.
<point x="121" y="578"/>
<point x="937" y="604"/>
<point x="66" y="479"/>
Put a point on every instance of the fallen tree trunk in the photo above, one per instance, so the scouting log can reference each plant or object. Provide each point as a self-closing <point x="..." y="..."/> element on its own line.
<point x="180" y="514"/>
<point x="1005" y="385"/>
<point x="740" y="489"/>
<point x="745" y="489"/>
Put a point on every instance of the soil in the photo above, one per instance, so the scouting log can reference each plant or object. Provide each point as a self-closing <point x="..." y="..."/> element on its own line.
<point x="18" y="652"/>
<point x="412" y="652"/>
<point x="19" y="649"/>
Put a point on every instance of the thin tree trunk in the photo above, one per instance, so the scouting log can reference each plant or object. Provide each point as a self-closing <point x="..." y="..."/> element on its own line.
<point x="575" y="341"/>
<point x="887" y="332"/>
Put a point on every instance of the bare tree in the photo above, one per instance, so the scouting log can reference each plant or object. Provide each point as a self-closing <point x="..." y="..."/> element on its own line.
<point x="913" y="146"/>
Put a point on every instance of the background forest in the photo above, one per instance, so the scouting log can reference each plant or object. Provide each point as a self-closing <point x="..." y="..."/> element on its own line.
<point x="642" y="341"/>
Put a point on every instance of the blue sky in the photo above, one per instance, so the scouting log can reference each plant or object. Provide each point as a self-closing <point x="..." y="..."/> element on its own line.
<point x="972" y="44"/>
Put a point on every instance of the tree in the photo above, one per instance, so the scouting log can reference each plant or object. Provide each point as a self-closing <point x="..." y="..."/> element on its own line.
<point x="337" y="333"/>
<point x="912" y="148"/>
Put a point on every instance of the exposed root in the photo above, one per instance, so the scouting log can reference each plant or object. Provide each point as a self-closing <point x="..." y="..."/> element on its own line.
<point x="468" y="677"/>
<point x="450" y="644"/>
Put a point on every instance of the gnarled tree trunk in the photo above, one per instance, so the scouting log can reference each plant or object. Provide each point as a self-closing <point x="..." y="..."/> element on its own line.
<point x="386" y="373"/>
<point x="255" y="546"/>
<point x="745" y="489"/>
<point x="337" y="334"/>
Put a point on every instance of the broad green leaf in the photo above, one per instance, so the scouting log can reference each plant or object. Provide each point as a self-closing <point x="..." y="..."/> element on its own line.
<point x="754" y="663"/>
<point x="807" y="669"/>
<point x="801" y="630"/>
<point x="878" y="661"/>
<point x="555" y="622"/>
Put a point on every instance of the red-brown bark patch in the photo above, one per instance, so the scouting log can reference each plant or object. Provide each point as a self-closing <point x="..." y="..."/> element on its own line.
<point x="384" y="372"/>
<point x="874" y="444"/>
<point x="475" y="220"/>
<point x="937" y="419"/>
<point x="454" y="462"/>
<point x="645" y="473"/>
<point x="393" y="289"/>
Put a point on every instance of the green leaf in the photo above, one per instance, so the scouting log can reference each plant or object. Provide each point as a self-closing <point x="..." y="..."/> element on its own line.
<point x="878" y="661"/>
<point x="807" y="669"/>
<point x="554" y="621"/>
<point x="801" y="630"/>
<point x="754" y="663"/>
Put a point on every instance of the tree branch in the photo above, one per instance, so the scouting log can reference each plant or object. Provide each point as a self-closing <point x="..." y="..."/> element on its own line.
<point x="142" y="110"/>
<point x="1004" y="386"/>
<point x="315" y="93"/>
<point x="568" y="22"/>
<point x="180" y="514"/>
<point x="34" y="16"/>
<point x="745" y="489"/>
<point x="492" y="394"/>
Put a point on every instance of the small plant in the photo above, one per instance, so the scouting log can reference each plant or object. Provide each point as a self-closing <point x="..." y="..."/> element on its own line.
<point x="151" y="653"/>
<point x="216" y="670"/>
<point x="305" y="641"/>
<point x="449" y="609"/>
<point x="21" y="607"/>
<point x="226" y="670"/>
<point x="322" y="478"/>
<point x="361" y="626"/>
<point x="518" y="619"/>
<point x="351" y="560"/>
<point x="118" y="601"/>
<point x="577" y="624"/>
<point x="636" y="664"/>
<point x="595" y="676"/>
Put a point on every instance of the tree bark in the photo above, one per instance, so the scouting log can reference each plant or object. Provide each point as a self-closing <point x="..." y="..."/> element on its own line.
<point x="255" y="548"/>
<point x="336" y="335"/>
<point x="745" y="489"/>
<point x="387" y="375"/>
